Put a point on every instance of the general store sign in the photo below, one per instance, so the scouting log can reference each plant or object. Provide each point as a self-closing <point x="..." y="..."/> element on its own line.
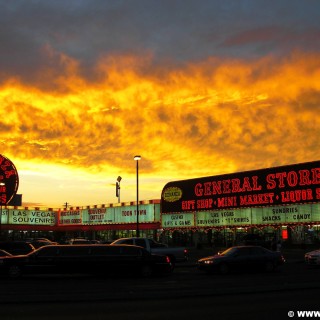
<point x="299" y="183"/>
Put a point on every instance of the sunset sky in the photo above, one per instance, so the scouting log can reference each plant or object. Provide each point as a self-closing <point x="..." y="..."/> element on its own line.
<point x="197" y="88"/>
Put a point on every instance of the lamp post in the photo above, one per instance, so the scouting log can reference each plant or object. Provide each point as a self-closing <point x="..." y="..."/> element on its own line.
<point x="118" y="188"/>
<point x="2" y="186"/>
<point x="1" y="221"/>
<point x="137" y="158"/>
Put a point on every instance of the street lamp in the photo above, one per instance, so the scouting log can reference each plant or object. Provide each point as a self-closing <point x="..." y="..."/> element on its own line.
<point x="118" y="188"/>
<point x="2" y="187"/>
<point x="137" y="158"/>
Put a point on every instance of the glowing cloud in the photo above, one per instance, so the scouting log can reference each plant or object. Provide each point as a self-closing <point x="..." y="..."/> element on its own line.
<point x="207" y="118"/>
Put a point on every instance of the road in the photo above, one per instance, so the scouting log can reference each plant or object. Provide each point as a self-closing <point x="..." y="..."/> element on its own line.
<point x="186" y="293"/>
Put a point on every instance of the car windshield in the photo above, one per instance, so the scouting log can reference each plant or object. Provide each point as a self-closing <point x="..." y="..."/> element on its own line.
<point x="154" y="244"/>
<point x="228" y="252"/>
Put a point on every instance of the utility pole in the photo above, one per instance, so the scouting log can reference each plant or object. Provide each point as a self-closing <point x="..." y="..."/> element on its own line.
<point x="66" y="205"/>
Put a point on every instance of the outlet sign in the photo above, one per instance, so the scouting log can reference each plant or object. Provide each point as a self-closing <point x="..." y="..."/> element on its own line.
<point x="108" y="215"/>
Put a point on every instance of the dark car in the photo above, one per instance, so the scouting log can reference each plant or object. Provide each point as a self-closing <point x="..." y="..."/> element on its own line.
<point x="242" y="258"/>
<point x="79" y="241"/>
<point x="17" y="247"/>
<point x="4" y="253"/>
<point x="40" y="243"/>
<point x="88" y="259"/>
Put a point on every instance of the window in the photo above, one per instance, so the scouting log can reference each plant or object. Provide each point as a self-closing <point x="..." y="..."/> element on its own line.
<point x="47" y="251"/>
<point x="74" y="250"/>
<point x="125" y="241"/>
<point x="244" y="252"/>
<point x="259" y="251"/>
<point x="131" y="251"/>
<point x="154" y="244"/>
<point x="105" y="250"/>
<point x="140" y="243"/>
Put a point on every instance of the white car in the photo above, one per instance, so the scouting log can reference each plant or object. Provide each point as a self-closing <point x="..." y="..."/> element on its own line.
<point x="313" y="257"/>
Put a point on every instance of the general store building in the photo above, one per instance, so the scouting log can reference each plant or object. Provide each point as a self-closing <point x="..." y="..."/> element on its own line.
<point x="276" y="204"/>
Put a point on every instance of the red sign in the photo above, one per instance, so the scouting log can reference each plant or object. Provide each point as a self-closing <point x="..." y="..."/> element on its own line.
<point x="9" y="180"/>
<point x="284" y="234"/>
<point x="299" y="183"/>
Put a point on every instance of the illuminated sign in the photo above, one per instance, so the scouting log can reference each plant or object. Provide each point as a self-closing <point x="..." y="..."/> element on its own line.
<point x="284" y="233"/>
<point x="224" y="218"/>
<point x="185" y="220"/>
<point x="172" y="194"/>
<point x="31" y="217"/>
<point x="97" y="216"/>
<point x="286" y="214"/>
<point x="9" y="180"/>
<point x="109" y="215"/>
<point x="284" y="185"/>
<point x="69" y="217"/>
<point x="128" y="214"/>
<point x="281" y="215"/>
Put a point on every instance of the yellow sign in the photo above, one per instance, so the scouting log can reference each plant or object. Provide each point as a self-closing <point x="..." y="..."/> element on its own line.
<point x="172" y="194"/>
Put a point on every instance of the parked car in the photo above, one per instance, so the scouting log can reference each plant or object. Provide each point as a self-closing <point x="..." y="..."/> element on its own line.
<point x="37" y="239"/>
<point x="242" y="258"/>
<point x="4" y="253"/>
<point x="40" y="243"/>
<point x="95" y="241"/>
<point x="82" y="241"/>
<point x="88" y="259"/>
<point x="176" y="254"/>
<point x="312" y="258"/>
<point x="17" y="247"/>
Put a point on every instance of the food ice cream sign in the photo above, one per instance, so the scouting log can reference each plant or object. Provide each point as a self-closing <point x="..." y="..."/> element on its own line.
<point x="9" y="180"/>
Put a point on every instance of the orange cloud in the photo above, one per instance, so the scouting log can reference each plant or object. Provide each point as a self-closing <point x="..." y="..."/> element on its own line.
<point x="206" y="118"/>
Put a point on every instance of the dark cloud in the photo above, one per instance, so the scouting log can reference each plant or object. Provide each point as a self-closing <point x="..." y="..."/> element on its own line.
<point x="266" y="34"/>
<point x="275" y="39"/>
<point x="308" y="100"/>
<point x="171" y="30"/>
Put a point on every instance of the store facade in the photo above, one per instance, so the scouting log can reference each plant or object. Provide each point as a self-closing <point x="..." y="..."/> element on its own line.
<point x="278" y="204"/>
<point x="104" y="222"/>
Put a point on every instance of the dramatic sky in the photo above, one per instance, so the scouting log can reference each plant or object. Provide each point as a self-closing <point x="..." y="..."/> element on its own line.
<point x="196" y="87"/>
